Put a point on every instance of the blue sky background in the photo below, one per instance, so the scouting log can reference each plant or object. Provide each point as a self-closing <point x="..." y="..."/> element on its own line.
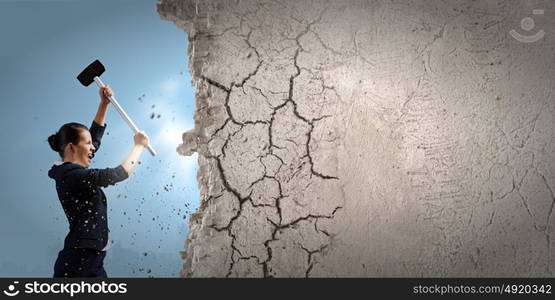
<point x="45" y="44"/>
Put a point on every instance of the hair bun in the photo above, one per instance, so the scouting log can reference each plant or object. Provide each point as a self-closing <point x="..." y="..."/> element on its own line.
<point x="54" y="142"/>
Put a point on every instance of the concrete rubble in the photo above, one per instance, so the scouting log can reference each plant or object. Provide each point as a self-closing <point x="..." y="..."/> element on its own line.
<point x="370" y="138"/>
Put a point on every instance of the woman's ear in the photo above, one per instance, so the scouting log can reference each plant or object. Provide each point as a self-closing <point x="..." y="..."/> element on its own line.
<point x="69" y="148"/>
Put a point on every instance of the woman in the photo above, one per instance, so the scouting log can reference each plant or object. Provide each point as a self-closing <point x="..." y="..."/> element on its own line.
<point x="80" y="193"/>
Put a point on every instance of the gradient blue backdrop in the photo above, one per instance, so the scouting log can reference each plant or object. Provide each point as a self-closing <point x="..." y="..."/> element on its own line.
<point x="45" y="44"/>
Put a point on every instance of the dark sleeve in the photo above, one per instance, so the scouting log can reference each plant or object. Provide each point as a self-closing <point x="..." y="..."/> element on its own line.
<point x="97" y="177"/>
<point x="97" y="132"/>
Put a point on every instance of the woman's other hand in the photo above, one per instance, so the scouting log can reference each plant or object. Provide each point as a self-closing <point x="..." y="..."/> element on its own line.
<point x="141" y="139"/>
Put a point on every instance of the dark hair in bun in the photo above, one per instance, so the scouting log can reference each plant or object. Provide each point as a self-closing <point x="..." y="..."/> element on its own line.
<point x="68" y="133"/>
<point x="53" y="141"/>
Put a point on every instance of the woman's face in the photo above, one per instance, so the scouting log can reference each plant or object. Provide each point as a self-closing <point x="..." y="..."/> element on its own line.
<point x="83" y="151"/>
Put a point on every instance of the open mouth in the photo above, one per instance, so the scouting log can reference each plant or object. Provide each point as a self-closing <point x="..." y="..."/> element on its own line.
<point x="90" y="156"/>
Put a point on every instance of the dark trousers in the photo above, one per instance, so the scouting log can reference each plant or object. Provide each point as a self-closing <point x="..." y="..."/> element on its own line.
<point x="79" y="262"/>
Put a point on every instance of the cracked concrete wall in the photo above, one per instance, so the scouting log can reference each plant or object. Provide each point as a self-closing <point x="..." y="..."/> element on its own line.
<point x="370" y="138"/>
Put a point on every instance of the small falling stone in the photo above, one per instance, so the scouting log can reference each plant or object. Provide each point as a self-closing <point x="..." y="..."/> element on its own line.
<point x="152" y="115"/>
<point x="152" y="106"/>
<point x="158" y="116"/>
<point x="145" y="254"/>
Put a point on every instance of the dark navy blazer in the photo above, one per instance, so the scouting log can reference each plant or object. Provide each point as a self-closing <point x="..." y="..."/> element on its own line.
<point x="83" y="201"/>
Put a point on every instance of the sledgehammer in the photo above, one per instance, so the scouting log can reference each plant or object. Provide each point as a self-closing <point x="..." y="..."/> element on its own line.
<point x="92" y="73"/>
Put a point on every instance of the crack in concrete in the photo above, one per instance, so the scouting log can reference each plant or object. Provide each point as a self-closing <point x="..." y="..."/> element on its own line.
<point x="227" y="228"/>
<point x="308" y="152"/>
<point x="309" y="261"/>
<point x="278" y="227"/>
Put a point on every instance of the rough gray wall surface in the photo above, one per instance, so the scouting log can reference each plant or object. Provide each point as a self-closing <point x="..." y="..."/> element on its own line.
<point x="370" y="138"/>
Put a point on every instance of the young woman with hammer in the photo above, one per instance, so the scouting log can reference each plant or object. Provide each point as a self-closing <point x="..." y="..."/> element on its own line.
<point x="80" y="193"/>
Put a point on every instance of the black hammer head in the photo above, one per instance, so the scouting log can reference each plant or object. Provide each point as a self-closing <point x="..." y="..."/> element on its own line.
<point x="94" y="69"/>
